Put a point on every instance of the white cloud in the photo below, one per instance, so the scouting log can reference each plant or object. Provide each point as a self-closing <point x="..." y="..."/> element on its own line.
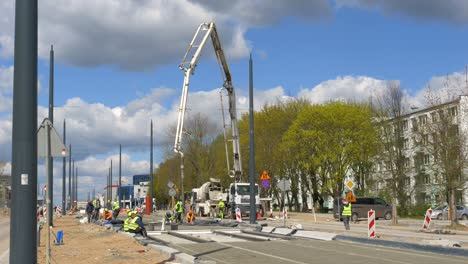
<point x="345" y="88"/>
<point x="142" y="34"/>
<point x="6" y="89"/>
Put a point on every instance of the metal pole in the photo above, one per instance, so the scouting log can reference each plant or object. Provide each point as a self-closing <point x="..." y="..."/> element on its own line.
<point x="64" y="177"/>
<point x="150" y="192"/>
<point x="253" y="214"/>
<point x="50" y="181"/>
<point x="24" y="142"/>
<point x="111" y="181"/>
<point x="69" y="177"/>
<point x="76" y="186"/>
<point x="73" y="183"/>
<point x="120" y="175"/>
<point x="48" y="201"/>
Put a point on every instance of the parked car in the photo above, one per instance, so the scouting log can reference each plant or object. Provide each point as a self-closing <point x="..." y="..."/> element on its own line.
<point x="362" y="206"/>
<point x="440" y="213"/>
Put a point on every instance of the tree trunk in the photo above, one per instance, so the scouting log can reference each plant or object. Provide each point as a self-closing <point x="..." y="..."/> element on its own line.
<point x="452" y="208"/>
<point x="394" y="211"/>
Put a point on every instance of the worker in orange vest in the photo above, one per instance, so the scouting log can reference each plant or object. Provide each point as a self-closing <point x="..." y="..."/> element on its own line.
<point x="190" y="217"/>
<point x="106" y="214"/>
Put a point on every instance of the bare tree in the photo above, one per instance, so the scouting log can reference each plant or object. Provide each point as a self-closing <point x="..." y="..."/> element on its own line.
<point x="391" y="109"/>
<point x="443" y="139"/>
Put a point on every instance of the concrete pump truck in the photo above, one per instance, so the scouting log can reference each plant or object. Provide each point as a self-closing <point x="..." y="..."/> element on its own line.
<point x="205" y="198"/>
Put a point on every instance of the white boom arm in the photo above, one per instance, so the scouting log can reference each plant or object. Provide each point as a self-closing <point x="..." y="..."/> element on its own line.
<point x="204" y="31"/>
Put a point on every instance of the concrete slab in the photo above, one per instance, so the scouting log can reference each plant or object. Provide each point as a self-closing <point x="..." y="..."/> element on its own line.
<point x="268" y="229"/>
<point x="441" y="242"/>
<point x="315" y="235"/>
<point x="283" y="231"/>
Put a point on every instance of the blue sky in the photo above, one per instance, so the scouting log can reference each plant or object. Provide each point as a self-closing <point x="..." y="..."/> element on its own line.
<point x="117" y="63"/>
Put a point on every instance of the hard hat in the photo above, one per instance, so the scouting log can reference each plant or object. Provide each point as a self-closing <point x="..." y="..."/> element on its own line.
<point x="129" y="213"/>
<point x="106" y="209"/>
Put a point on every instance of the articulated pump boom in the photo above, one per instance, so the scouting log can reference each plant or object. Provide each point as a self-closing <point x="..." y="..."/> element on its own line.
<point x="203" y="197"/>
<point x="204" y="31"/>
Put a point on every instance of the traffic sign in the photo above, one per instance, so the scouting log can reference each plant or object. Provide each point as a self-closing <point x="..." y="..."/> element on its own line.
<point x="284" y="185"/>
<point x="265" y="184"/>
<point x="350" y="184"/>
<point x="172" y="192"/>
<point x="265" y="175"/>
<point x="350" y="197"/>
<point x="170" y="184"/>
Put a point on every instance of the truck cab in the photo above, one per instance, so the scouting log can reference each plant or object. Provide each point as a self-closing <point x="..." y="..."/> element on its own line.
<point x="239" y="196"/>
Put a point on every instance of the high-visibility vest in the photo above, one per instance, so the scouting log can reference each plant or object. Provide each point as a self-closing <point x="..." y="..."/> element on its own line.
<point x="221" y="205"/>
<point x="179" y="208"/>
<point x="95" y="203"/>
<point x="190" y="217"/>
<point x="346" y="210"/>
<point x="127" y="223"/>
<point x="132" y="225"/>
<point x="116" y="206"/>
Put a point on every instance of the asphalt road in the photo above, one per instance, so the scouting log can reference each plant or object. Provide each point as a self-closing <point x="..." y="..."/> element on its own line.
<point x="309" y="251"/>
<point x="4" y="239"/>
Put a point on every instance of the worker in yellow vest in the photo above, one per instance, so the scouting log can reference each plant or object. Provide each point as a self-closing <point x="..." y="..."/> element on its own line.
<point x="135" y="225"/>
<point x="116" y="210"/>
<point x="346" y="213"/>
<point x="221" y="206"/>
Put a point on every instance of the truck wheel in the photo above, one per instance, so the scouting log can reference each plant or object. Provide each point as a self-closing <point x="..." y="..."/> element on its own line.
<point x="354" y="217"/>
<point x="464" y="217"/>
<point x="439" y="217"/>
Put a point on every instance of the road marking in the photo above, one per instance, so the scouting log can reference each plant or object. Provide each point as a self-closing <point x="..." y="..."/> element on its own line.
<point x="264" y="254"/>
<point x="353" y="254"/>
<point x="5" y="256"/>
<point x="197" y="253"/>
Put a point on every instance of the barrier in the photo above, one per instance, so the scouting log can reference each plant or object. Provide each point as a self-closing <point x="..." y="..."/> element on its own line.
<point x="238" y="215"/>
<point x="371" y="224"/>
<point x="427" y="219"/>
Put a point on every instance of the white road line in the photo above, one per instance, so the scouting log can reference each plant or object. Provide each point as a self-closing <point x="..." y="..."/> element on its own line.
<point x="264" y="254"/>
<point x="197" y="253"/>
<point x="4" y="256"/>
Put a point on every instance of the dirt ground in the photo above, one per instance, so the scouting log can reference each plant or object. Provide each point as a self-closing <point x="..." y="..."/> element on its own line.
<point x="89" y="243"/>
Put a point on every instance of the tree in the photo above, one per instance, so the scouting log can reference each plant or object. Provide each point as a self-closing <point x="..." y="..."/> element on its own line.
<point x="390" y="111"/>
<point x="444" y="140"/>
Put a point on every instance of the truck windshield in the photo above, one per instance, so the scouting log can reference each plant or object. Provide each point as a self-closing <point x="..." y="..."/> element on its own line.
<point x="245" y="190"/>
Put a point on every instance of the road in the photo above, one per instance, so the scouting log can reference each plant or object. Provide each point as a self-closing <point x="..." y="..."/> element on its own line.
<point x="308" y="251"/>
<point x="4" y="239"/>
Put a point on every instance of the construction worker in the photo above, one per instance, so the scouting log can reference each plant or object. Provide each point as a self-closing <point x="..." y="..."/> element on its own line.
<point x="106" y="215"/>
<point x="135" y="225"/>
<point x="190" y="218"/>
<point x="179" y="210"/>
<point x="221" y="208"/>
<point x="89" y="210"/>
<point x="116" y="209"/>
<point x="346" y="213"/>
<point x="97" y="208"/>
<point x="127" y="221"/>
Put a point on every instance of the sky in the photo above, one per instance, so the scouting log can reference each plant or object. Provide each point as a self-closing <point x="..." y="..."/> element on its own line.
<point x="116" y="65"/>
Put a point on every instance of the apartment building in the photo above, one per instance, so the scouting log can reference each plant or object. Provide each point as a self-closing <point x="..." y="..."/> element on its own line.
<point x="424" y="180"/>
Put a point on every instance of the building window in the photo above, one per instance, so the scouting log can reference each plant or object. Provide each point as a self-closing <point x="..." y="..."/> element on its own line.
<point x="405" y="143"/>
<point x="405" y="125"/>
<point x="427" y="179"/>
<point x="407" y="181"/>
<point x="425" y="139"/>
<point x="426" y="159"/>
<point x="441" y="115"/>
<point x="407" y="162"/>
<point x="453" y="111"/>
<point x="423" y="119"/>
<point x="414" y="123"/>
<point x="433" y="117"/>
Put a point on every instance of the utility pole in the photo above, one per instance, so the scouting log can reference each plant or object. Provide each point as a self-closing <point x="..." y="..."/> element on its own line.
<point x="50" y="181"/>
<point x="23" y="235"/>
<point x="64" y="177"/>
<point x="252" y="215"/>
<point x="73" y="183"/>
<point x="69" y="177"/>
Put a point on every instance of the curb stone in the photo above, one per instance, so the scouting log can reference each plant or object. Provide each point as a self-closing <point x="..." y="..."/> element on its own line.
<point x="453" y="251"/>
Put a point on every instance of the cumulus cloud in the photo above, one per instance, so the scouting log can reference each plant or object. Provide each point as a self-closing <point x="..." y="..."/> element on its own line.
<point x="143" y="34"/>
<point x="6" y="88"/>
<point x="453" y="11"/>
<point x="441" y="89"/>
